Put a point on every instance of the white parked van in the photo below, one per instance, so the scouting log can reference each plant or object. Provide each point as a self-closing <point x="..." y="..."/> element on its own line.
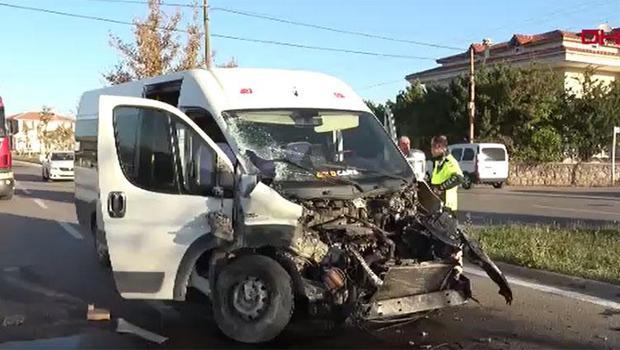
<point x="417" y="160"/>
<point x="262" y="189"/>
<point x="482" y="163"/>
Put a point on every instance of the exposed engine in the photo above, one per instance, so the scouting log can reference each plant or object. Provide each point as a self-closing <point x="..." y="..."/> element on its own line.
<point x="373" y="256"/>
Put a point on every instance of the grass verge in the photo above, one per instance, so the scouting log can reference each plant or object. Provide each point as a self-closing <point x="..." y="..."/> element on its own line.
<point x="583" y="252"/>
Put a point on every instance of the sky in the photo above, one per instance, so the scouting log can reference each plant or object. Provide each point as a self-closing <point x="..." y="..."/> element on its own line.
<point x="51" y="60"/>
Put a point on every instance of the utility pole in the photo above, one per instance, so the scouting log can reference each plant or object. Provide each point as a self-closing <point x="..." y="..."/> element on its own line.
<point x="205" y="15"/>
<point x="472" y="94"/>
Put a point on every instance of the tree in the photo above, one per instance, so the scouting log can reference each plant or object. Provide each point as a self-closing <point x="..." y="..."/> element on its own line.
<point x="62" y="138"/>
<point x="157" y="49"/>
<point x="43" y="134"/>
<point x="377" y="109"/>
<point x="26" y="132"/>
<point x="231" y="63"/>
<point x="590" y="116"/>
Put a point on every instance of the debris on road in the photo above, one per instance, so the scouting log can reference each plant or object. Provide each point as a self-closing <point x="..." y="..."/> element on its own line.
<point x="13" y="320"/>
<point x="95" y="314"/>
<point x="123" y="326"/>
<point x="485" y="340"/>
<point x="602" y="337"/>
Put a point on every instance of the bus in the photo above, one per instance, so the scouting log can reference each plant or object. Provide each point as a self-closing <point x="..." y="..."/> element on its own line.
<point x="7" y="182"/>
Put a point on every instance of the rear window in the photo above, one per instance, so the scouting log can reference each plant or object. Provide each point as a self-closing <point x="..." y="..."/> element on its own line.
<point x="493" y="154"/>
<point x="468" y="154"/>
<point x="456" y="153"/>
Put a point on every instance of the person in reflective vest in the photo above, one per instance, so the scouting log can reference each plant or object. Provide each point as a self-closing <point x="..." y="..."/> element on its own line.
<point x="447" y="174"/>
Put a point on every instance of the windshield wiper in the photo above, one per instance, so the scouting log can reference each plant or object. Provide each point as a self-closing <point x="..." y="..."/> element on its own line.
<point x="311" y="172"/>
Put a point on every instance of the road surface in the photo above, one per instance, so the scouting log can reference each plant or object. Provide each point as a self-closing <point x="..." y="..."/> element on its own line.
<point x="49" y="274"/>
<point x="543" y="205"/>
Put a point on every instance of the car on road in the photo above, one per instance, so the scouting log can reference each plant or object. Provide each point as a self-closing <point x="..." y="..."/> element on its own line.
<point x="482" y="163"/>
<point x="58" y="165"/>
<point x="269" y="191"/>
<point x="7" y="181"/>
<point x="417" y="160"/>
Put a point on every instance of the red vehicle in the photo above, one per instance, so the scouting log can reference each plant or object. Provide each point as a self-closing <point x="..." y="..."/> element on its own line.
<point x="7" y="182"/>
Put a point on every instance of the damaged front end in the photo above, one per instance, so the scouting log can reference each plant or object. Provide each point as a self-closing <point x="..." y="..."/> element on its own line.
<point x="383" y="257"/>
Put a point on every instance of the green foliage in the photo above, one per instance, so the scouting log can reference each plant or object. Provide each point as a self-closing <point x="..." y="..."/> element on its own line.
<point x="589" y="117"/>
<point x="527" y="109"/>
<point x="378" y="109"/>
<point x="546" y="146"/>
<point x="588" y="253"/>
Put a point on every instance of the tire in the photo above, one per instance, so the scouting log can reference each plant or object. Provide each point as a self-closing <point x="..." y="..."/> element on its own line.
<point x="8" y="196"/>
<point x="101" y="247"/>
<point x="266" y="314"/>
<point x="498" y="185"/>
<point x="468" y="182"/>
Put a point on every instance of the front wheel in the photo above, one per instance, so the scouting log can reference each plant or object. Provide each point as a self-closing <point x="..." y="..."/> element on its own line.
<point x="253" y="299"/>
<point x="8" y="196"/>
<point x="467" y="182"/>
<point x="498" y="185"/>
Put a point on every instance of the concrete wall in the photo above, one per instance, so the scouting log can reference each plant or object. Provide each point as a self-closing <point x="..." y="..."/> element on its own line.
<point x="560" y="174"/>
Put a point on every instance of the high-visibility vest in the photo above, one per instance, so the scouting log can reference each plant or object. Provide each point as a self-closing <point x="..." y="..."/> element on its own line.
<point x="444" y="169"/>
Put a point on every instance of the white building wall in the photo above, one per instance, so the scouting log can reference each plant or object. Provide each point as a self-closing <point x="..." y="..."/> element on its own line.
<point x="28" y="141"/>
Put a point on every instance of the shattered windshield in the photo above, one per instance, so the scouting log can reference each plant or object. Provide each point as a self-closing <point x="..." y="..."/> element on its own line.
<point x="308" y="145"/>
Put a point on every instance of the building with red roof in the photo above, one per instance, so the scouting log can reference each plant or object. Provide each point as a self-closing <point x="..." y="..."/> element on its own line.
<point x="26" y="140"/>
<point x="561" y="50"/>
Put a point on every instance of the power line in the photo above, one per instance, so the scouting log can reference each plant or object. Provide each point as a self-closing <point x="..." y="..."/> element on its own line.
<point x="223" y="36"/>
<point x="142" y="2"/>
<point x="297" y="23"/>
<point x="579" y="8"/>
<point x="367" y="87"/>
<point x="331" y="29"/>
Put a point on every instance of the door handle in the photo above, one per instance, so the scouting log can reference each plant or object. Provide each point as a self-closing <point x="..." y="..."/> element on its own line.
<point x="117" y="204"/>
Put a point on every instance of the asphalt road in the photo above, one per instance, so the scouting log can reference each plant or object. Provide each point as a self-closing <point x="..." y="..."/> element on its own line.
<point x="543" y="205"/>
<point x="48" y="276"/>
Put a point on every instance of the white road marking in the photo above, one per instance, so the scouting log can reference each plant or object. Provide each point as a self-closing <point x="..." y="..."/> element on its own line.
<point x="70" y="230"/>
<point x="551" y="290"/>
<point x="577" y="210"/>
<point x="40" y="203"/>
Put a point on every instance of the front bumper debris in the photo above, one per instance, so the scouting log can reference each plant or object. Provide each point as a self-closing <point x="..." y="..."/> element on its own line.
<point x="395" y="307"/>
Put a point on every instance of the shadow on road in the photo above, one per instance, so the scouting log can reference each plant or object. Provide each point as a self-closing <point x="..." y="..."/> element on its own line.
<point x="28" y="177"/>
<point x="51" y="195"/>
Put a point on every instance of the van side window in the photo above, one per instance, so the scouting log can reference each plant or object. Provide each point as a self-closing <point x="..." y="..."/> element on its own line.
<point x="205" y="121"/>
<point x="144" y="148"/>
<point x="468" y="154"/>
<point x="456" y="153"/>
<point x="196" y="161"/>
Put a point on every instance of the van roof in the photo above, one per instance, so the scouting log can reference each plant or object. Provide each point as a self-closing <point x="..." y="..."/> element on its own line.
<point x="256" y="88"/>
